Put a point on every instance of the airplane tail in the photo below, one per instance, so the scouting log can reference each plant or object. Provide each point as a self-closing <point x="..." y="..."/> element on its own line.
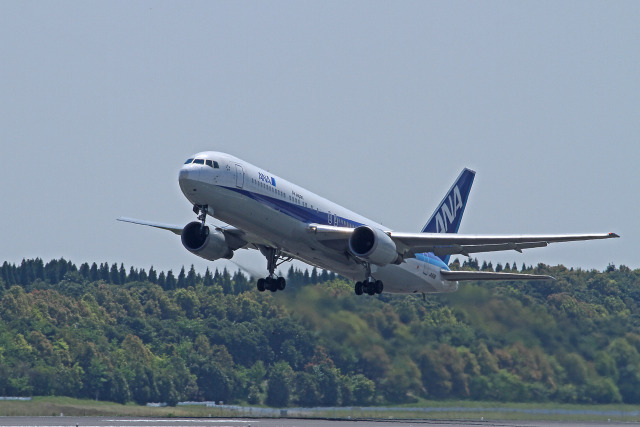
<point x="448" y="215"/>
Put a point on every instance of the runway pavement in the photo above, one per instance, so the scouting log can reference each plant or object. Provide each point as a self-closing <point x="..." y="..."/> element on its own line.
<point x="269" y="422"/>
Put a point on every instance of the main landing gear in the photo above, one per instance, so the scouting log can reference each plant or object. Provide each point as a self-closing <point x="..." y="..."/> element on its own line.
<point x="369" y="286"/>
<point x="272" y="282"/>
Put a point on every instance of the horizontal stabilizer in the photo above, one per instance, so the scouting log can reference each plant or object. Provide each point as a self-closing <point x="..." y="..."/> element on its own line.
<point x="490" y="275"/>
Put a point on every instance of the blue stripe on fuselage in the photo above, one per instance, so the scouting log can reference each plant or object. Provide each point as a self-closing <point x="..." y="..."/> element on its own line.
<point x="300" y="213"/>
<point x="308" y="216"/>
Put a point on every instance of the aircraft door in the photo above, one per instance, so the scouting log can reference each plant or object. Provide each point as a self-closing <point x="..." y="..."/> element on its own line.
<point x="239" y="176"/>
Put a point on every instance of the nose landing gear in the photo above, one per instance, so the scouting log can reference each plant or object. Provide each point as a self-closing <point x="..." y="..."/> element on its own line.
<point x="201" y="211"/>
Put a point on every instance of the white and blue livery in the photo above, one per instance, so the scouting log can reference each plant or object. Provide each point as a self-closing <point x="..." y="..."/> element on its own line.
<point x="284" y="221"/>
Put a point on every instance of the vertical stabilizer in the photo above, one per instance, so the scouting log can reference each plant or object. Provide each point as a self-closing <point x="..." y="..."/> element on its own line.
<point x="447" y="217"/>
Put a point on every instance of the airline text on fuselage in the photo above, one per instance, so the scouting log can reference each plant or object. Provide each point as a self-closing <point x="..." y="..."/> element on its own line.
<point x="266" y="178"/>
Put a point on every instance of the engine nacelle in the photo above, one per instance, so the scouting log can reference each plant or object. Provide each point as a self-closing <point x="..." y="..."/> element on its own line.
<point x="209" y="245"/>
<point x="373" y="245"/>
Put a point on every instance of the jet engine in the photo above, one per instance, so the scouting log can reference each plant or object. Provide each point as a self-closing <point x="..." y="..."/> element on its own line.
<point x="373" y="245"/>
<point x="205" y="243"/>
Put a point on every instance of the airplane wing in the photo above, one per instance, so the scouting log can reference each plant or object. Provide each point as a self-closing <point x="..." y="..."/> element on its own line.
<point x="173" y="228"/>
<point x="409" y="244"/>
<point x="235" y="237"/>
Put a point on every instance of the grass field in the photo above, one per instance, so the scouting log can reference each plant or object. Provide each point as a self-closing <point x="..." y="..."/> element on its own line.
<point x="450" y="410"/>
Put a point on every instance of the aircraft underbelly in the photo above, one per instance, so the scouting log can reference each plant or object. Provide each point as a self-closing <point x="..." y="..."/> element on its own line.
<point x="404" y="278"/>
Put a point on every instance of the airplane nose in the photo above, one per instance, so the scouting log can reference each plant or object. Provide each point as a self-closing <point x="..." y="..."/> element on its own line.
<point x="183" y="174"/>
<point x="188" y="175"/>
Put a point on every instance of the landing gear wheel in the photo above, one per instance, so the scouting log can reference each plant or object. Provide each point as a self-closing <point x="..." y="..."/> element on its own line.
<point x="261" y="285"/>
<point x="379" y="286"/>
<point x="273" y="286"/>
<point x="281" y="283"/>
<point x="371" y="288"/>
<point x="358" y="288"/>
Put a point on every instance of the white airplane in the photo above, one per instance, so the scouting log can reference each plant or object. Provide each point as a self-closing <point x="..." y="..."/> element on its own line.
<point x="285" y="222"/>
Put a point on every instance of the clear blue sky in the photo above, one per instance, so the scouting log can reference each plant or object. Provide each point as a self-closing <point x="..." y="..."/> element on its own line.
<point x="376" y="105"/>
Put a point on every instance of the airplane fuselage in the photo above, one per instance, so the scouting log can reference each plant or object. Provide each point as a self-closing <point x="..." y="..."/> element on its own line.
<point x="279" y="212"/>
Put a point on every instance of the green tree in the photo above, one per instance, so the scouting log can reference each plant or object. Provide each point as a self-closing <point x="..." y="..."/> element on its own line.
<point x="363" y="390"/>
<point x="279" y="385"/>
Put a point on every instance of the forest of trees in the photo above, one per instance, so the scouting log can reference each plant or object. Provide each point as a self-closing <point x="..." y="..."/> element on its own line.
<point x="99" y="331"/>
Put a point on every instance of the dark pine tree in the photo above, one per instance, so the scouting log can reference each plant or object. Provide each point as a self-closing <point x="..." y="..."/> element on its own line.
<point x="133" y="275"/>
<point x="122" y="274"/>
<point x="104" y="272"/>
<point x="170" y="283"/>
<point x="85" y="271"/>
<point x="93" y="273"/>
<point x="181" y="278"/>
<point x="208" y="278"/>
<point x="324" y="276"/>
<point x="38" y="269"/>
<point x="191" y="277"/>
<point x="291" y="275"/>
<point x="114" y="275"/>
<point x="227" y="285"/>
<point x="26" y="272"/>
<point x="7" y="278"/>
<point x="162" y="280"/>
<point x="153" y="276"/>
<point x="240" y="282"/>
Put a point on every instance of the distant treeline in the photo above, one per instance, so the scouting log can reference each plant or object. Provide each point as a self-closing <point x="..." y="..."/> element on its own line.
<point x="100" y="331"/>
<point x="54" y="271"/>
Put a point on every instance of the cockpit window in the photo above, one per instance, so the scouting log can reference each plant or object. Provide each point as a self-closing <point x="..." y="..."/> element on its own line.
<point x="210" y="163"/>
